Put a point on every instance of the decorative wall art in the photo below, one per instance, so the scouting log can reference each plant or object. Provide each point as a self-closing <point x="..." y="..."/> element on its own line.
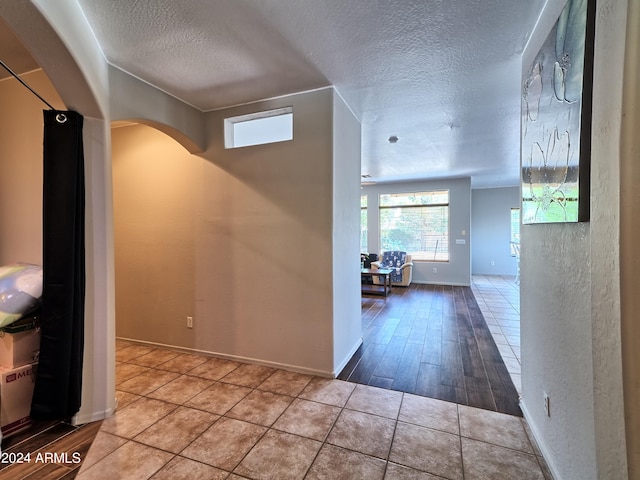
<point x="556" y="121"/>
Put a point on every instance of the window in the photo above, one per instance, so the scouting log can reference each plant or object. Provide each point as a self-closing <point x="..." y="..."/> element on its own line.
<point x="417" y="223"/>
<point x="363" y="225"/>
<point x="259" y="128"/>
<point x="515" y="230"/>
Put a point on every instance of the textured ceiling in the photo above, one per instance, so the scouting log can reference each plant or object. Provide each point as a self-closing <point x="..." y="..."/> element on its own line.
<point x="441" y="75"/>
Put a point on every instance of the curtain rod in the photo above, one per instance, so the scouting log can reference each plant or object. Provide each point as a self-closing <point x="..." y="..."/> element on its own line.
<point x="4" y="65"/>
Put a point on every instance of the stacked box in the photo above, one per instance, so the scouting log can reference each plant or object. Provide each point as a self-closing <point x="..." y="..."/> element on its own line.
<point x="19" y="352"/>
<point x="20" y="342"/>
<point x="16" y="392"/>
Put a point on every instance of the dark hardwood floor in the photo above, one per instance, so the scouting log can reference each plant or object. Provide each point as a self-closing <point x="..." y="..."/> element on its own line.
<point x="47" y="450"/>
<point x="432" y="340"/>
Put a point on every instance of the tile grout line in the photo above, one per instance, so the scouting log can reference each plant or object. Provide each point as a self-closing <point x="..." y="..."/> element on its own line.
<point x="324" y="442"/>
<point x="329" y="430"/>
<point x="495" y="288"/>
<point x="460" y="441"/>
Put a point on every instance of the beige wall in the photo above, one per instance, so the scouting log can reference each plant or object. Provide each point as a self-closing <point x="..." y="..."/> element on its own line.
<point x="21" y="129"/>
<point x="136" y="101"/>
<point x="156" y="183"/>
<point x="240" y="239"/>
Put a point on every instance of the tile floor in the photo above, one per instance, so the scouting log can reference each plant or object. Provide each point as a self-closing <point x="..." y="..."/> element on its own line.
<point x="499" y="300"/>
<point x="184" y="416"/>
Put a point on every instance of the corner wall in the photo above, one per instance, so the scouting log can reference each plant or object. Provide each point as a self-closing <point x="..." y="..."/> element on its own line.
<point x="347" y="316"/>
<point x="138" y="101"/>
<point x="240" y="239"/>
<point x="630" y="261"/>
<point x="570" y="291"/>
<point x="61" y="41"/>
<point x="491" y="230"/>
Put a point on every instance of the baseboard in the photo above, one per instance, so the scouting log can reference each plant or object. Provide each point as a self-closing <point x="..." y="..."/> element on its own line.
<point x="541" y="446"/>
<point x="237" y="358"/>
<point x="344" y="362"/>
<point x="92" y="417"/>
<point x="452" y="284"/>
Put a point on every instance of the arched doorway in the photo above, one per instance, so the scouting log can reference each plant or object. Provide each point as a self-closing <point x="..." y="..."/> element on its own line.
<point x="85" y="95"/>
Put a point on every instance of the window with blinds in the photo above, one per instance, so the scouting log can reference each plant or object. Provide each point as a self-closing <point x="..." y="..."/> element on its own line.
<point x="515" y="230"/>
<point x="417" y="223"/>
<point x="363" y="225"/>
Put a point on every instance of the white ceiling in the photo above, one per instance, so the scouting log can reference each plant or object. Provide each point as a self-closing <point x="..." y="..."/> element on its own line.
<point x="441" y="75"/>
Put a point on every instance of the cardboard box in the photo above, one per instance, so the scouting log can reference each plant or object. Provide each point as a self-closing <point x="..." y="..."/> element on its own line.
<point x="16" y="392"/>
<point x="19" y="347"/>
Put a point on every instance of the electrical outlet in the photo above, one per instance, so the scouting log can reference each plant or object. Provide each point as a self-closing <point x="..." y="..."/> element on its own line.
<point x="546" y="404"/>
<point x="189" y="322"/>
<point x="435" y="270"/>
<point x="493" y="263"/>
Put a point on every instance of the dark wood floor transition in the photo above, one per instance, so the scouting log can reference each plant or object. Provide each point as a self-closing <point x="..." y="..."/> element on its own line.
<point x="47" y="450"/>
<point x="432" y="340"/>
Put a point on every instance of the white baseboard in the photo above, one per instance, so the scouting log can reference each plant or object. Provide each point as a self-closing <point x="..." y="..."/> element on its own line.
<point x="92" y="417"/>
<point x="541" y="446"/>
<point x="346" y="359"/>
<point x="237" y="358"/>
<point x="452" y="284"/>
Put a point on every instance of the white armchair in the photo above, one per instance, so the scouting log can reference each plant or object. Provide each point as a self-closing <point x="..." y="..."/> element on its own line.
<point x="398" y="261"/>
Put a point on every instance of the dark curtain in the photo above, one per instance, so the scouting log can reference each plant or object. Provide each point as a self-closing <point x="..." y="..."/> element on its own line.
<point x="58" y="384"/>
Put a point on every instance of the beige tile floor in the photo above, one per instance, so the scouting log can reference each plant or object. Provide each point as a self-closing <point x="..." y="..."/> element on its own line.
<point x="184" y="416"/>
<point x="499" y="300"/>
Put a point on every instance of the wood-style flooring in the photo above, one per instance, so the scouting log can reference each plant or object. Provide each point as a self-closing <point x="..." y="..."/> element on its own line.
<point x="433" y="341"/>
<point x="47" y="450"/>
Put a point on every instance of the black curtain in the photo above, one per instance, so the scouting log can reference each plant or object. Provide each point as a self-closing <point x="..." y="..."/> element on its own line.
<point x="58" y="384"/>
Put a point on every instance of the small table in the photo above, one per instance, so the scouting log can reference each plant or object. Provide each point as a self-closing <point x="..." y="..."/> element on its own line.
<point x="383" y="289"/>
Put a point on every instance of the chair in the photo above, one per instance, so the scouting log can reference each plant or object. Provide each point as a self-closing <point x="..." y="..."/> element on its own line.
<point x="366" y="259"/>
<point x="516" y="251"/>
<point x="400" y="263"/>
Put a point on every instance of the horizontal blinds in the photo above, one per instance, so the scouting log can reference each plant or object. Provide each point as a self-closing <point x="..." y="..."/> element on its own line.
<point x="422" y="231"/>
